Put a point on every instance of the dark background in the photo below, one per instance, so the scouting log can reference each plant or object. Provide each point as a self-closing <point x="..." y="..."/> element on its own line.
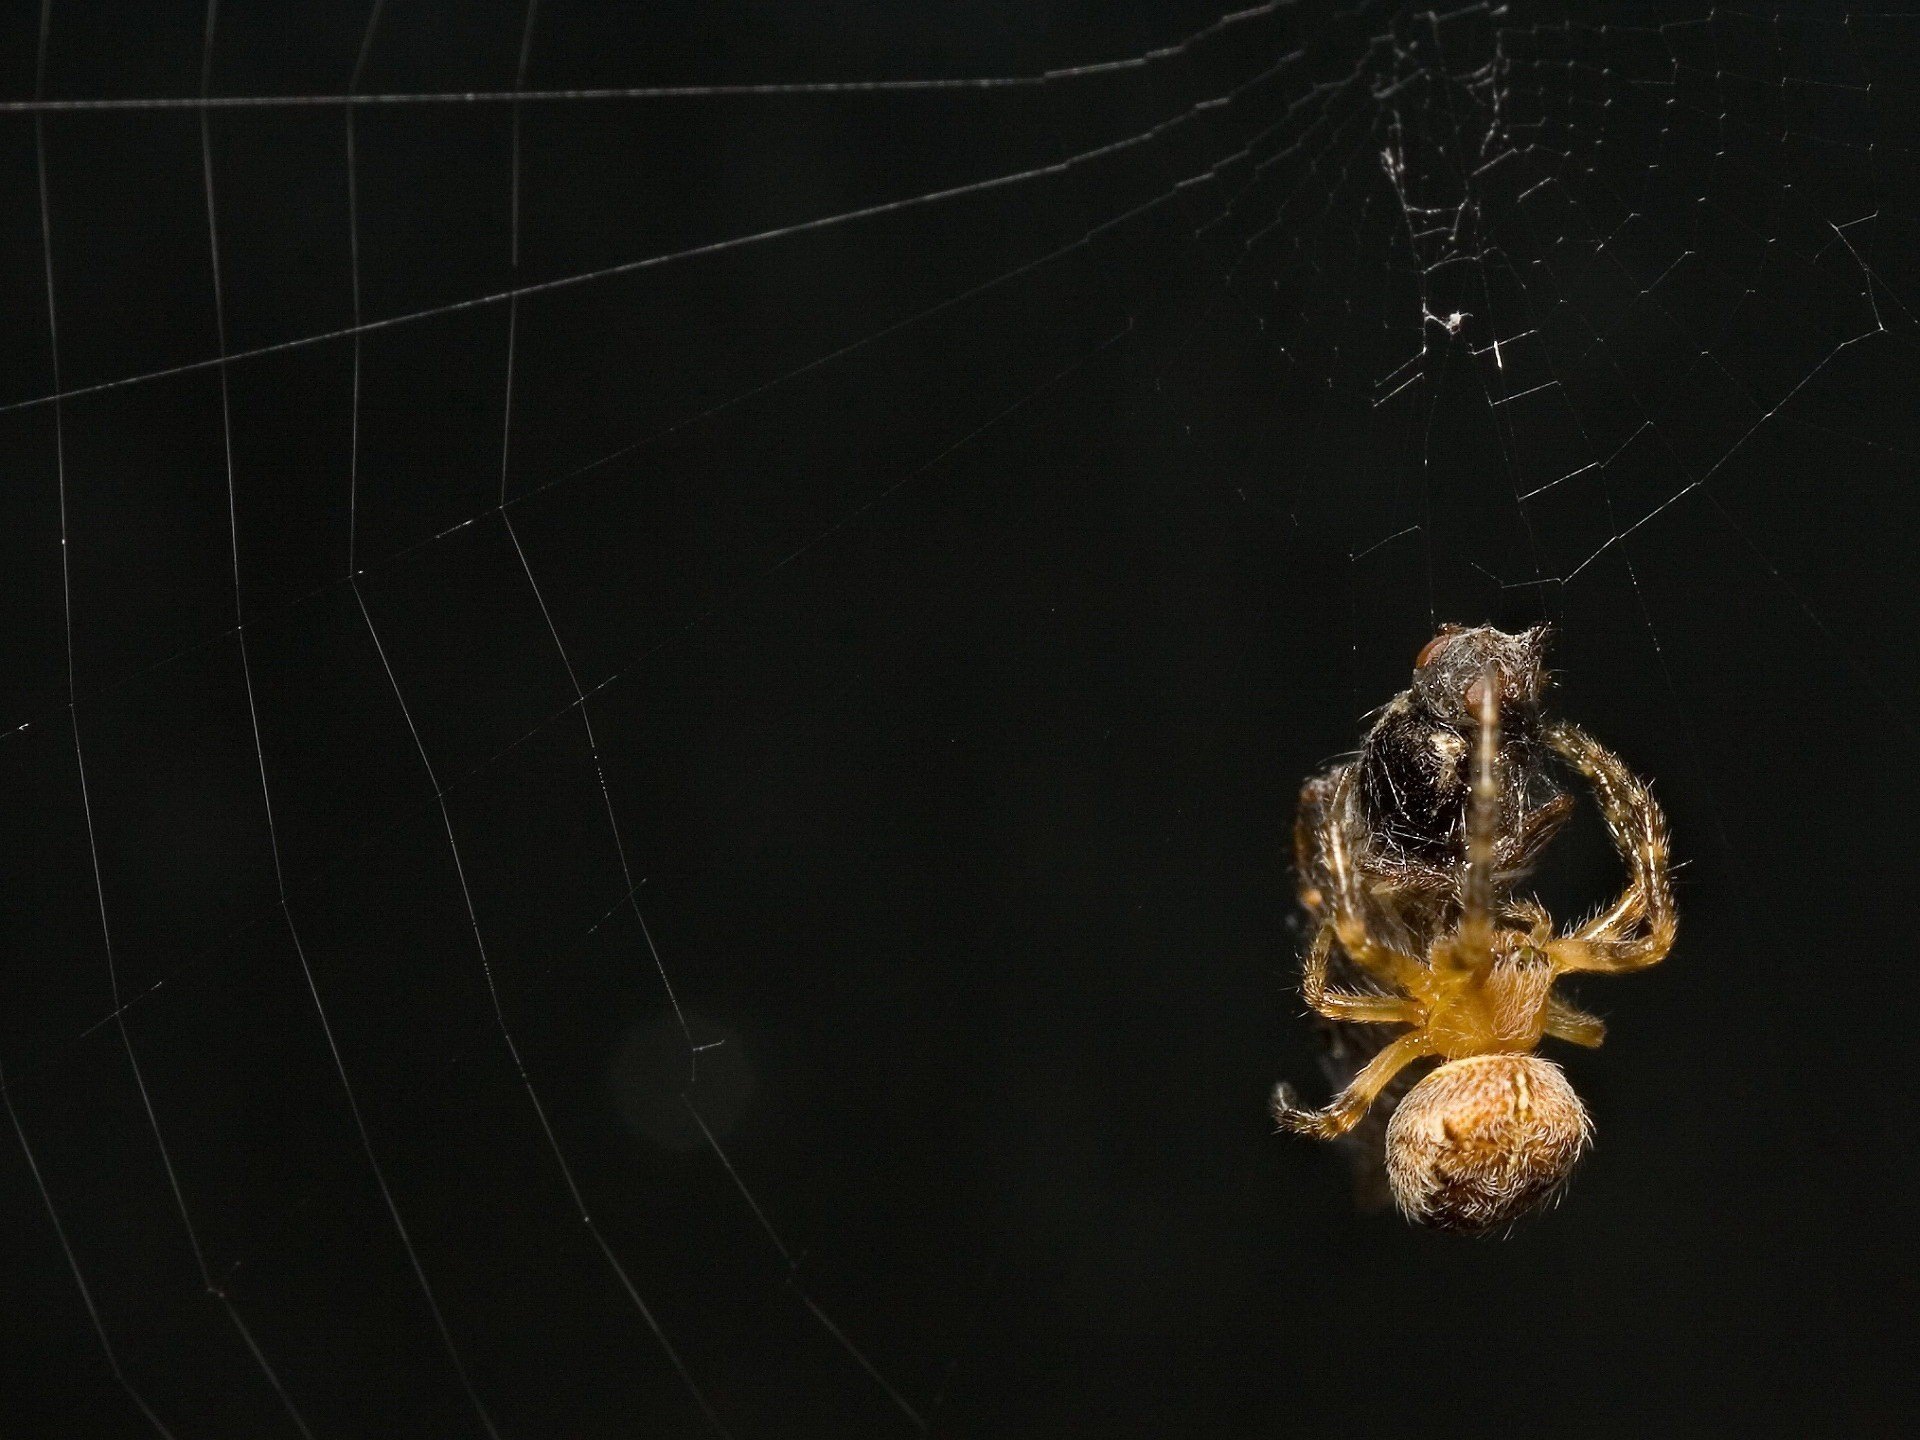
<point x="959" y="596"/>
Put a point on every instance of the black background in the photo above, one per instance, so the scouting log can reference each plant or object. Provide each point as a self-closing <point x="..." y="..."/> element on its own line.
<point x="968" y="591"/>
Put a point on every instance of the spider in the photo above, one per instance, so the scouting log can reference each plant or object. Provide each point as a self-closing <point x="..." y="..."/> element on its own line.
<point x="1405" y="814"/>
<point x="1444" y="950"/>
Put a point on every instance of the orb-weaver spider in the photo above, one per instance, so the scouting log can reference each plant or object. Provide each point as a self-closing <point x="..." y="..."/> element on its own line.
<point x="1494" y="1129"/>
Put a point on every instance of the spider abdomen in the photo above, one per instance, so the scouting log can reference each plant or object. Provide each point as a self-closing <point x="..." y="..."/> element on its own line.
<point x="1481" y="1141"/>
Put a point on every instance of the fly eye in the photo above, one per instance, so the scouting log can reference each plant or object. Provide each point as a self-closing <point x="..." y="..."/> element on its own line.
<point x="1427" y="650"/>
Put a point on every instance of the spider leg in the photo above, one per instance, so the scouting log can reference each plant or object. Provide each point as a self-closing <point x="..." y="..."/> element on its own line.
<point x="1351" y="1104"/>
<point x="1609" y="942"/>
<point x="1345" y="1004"/>
<point x="1308" y="828"/>
<point x="1530" y="916"/>
<point x="1474" y="946"/>
<point x="1568" y="1022"/>
<point x="1617" y="920"/>
<point x="1347" y="905"/>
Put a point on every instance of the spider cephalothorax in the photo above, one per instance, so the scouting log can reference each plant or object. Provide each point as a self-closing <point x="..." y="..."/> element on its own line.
<point x="1437" y="944"/>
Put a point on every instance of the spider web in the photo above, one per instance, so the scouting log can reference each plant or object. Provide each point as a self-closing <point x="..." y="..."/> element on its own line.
<point x="656" y="659"/>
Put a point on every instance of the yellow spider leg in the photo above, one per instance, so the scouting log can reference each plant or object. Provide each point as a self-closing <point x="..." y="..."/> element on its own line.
<point x="1351" y="1104"/>
<point x="1639" y="831"/>
<point x="1346" y="1004"/>
<point x="1473" y="945"/>
<point x="1617" y="920"/>
<point x="1348" y="909"/>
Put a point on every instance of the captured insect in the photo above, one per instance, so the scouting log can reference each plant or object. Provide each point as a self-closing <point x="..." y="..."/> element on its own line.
<point x="1409" y="855"/>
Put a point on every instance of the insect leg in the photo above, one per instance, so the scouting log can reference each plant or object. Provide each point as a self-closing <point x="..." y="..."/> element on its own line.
<point x="1537" y="829"/>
